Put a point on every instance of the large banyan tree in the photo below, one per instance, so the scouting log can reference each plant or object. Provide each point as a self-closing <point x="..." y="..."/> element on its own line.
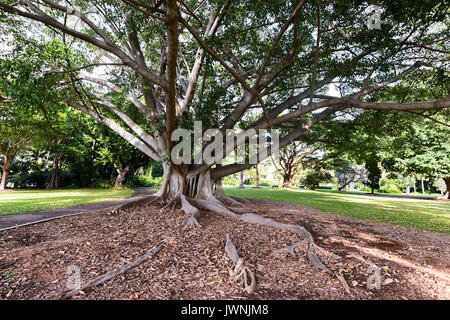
<point x="271" y="64"/>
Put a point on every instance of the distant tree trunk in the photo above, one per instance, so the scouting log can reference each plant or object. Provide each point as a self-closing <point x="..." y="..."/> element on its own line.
<point x="241" y="177"/>
<point x="423" y="186"/>
<point x="408" y="189"/>
<point x="122" y="175"/>
<point x="447" y="184"/>
<point x="5" y="170"/>
<point x="347" y="183"/>
<point x="5" y="173"/>
<point x="287" y="181"/>
<point x="415" y="186"/>
<point x="54" y="180"/>
<point x="257" y="177"/>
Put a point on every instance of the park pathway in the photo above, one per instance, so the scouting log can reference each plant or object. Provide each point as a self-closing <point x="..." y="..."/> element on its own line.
<point x="27" y="218"/>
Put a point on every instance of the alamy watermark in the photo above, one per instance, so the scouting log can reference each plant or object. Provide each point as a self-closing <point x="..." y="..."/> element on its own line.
<point x="374" y="280"/>
<point x="374" y="20"/>
<point x="213" y="145"/>
<point x="73" y="278"/>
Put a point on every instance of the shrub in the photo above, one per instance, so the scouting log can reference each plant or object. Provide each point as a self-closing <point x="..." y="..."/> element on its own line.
<point x="230" y="180"/>
<point x="144" y="181"/>
<point x="388" y="191"/>
<point x="101" y="184"/>
<point x="314" y="178"/>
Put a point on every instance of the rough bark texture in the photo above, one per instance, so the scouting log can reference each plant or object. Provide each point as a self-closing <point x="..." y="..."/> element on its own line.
<point x="241" y="180"/>
<point x="447" y="183"/>
<point x="53" y="181"/>
<point x="122" y="174"/>
<point x="5" y="172"/>
<point x="287" y="181"/>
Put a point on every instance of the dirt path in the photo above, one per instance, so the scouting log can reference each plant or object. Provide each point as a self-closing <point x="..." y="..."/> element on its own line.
<point x="34" y="259"/>
<point x="28" y="218"/>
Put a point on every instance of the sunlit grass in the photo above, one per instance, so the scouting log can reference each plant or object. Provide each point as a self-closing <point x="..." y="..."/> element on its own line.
<point x="37" y="200"/>
<point x="431" y="215"/>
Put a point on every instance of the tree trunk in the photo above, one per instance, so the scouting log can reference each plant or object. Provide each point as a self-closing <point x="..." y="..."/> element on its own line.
<point x="257" y="177"/>
<point x="53" y="182"/>
<point x="241" y="178"/>
<point x="287" y="181"/>
<point x="5" y="173"/>
<point x="346" y="183"/>
<point x="122" y="175"/>
<point x="423" y="186"/>
<point x="415" y="190"/>
<point x="447" y="184"/>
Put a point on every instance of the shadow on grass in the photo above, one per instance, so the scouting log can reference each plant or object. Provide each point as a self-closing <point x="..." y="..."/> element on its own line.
<point x="421" y="214"/>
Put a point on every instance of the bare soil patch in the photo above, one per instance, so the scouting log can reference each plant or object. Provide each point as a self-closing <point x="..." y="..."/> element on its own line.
<point x="192" y="265"/>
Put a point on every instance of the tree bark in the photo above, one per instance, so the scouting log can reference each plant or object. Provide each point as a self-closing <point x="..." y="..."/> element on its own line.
<point x="257" y="177"/>
<point x="447" y="183"/>
<point x="287" y="181"/>
<point x="122" y="174"/>
<point x="241" y="180"/>
<point x="54" y="179"/>
<point x="5" y="171"/>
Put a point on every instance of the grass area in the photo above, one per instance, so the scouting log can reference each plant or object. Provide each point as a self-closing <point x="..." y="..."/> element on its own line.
<point x="431" y="215"/>
<point x="37" y="200"/>
<point x="381" y="194"/>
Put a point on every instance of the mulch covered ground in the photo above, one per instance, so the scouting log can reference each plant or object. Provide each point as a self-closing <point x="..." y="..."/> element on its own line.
<point x="34" y="260"/>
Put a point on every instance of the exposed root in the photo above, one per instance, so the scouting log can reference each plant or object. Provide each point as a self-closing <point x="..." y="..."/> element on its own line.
<point x="291" y="248"/>
<point x="187" y="207"/>
<point x="229" y="200"/>
<point x="242" y="201"/>
<point x="237" y="209"/>
<point x="153" y="252"/>
<point x="212" y="204"/>
<point x="197" y="195"/>
<point x="135" y="203"/>
<point x="240" y="270"/>
<point x="341" y="278"/>
<point x="172" y="203"/>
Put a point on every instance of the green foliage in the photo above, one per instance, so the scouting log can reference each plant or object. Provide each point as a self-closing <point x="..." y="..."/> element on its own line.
<point x="231" y="180"/>
<point x="374" y="171"/>
<point x="315" y="177"/>
<point x="157" y="170"/>
<point x="101" y="184"/>
<point x="392" y="191"/>
<point x="145" y="180"/>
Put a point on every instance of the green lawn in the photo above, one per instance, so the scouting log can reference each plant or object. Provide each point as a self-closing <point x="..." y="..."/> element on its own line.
<point x="423" y="214"/>
<point x="37" y="200"/>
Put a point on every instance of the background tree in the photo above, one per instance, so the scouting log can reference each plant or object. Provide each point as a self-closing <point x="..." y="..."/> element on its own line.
<point x="348" y="173"/>
<point x="298" y="156"/>
<point x="315" y="177"/>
